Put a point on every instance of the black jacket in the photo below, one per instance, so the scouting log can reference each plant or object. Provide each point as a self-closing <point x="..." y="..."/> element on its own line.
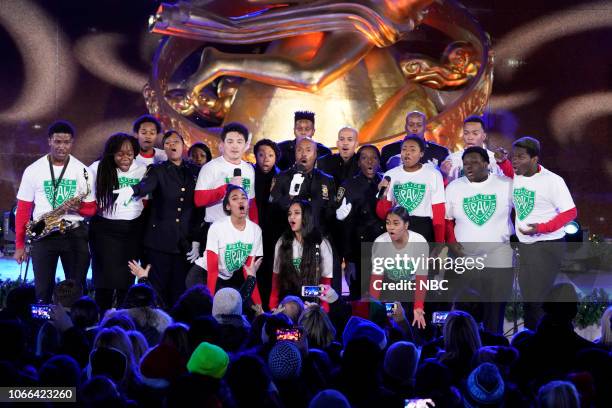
<point x="173" y="224"/>
<point x="287" y="157"/>
<point x="336" y="167"/>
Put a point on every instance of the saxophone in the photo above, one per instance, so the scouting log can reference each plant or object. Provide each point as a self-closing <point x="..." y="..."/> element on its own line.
<point x="52" y="221"/>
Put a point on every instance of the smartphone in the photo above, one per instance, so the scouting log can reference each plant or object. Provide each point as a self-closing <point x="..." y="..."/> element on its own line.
<point x="311" y="291"/>
<point x="439" y="317"/>
<point x="390" y="307"/>
<point x="288" y="334"/>
<point x="42" y="312"/>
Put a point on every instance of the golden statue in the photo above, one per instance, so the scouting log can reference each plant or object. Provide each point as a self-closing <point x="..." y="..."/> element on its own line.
<point x="328" y="56"/>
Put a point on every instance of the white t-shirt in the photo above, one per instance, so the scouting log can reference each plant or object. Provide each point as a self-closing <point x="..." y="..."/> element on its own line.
<point x="327" y="258"/>
<point x="37" y="186"/>
<point x="456" y="170"/>
<point x="219" y="171"/>
<point x="538" y="199"/>
<point x="128" y="178"/>
<point x="416" y="191"/>
<point x="232" y="245"/>
<point x="483" y="223"/>
<point x="416" y="251"/>
<point x="158" y="157"/>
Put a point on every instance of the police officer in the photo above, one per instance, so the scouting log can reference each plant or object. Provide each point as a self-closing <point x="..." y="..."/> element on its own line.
<point x="342" y="165"/>
<point x="415" y="124"/>
<point x="171" y="237"/>
<point x="357" y="213"/>
<point x="304" y="182"/>
<point x="304" y="126"/>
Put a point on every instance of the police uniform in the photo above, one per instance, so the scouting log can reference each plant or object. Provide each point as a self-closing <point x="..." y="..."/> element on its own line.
<point x="362" y="224"/>
<point x="287" y="157"/>
<point x="433" y="153"/>
<point x="318" y="188"/>
<point x="172" y="226"/>
<point x="340" y="170"/>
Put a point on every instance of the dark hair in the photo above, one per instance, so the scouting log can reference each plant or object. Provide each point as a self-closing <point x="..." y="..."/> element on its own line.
<point x="61" y="126"/>
<point x="169" y="133"/>
<point x="478" y="150"/>
<point x="304" y="115"/>
<point x="248" y="379"/>
<point x="309" y="274"/>
<point x="530" y="144"/>
<point x="368" y="146"/>
<point x="235" y="127"/>
<point x="269" y="143"/>
<point x="85" y="313"/>
<point x="203" y="147"/>
<point x="146" y="119"/>
<point x="415" y="138"/>
<point x="475" y="119"/>
<point x="231" y="188"/>
<point x="106" y="178"/>
<point x="195" y="301"/>
<point x="139" y="295"/>
<point x="400" y="212"/>
<point x="67" y="292"/>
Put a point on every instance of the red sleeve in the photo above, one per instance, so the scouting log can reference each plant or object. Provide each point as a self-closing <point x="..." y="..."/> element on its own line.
<point x="326" y="281"/>
<point x="145" y="202"/>
<point x="253" y="213"/>
<point x="439" y="211"/>
<point x="558" y="222"/>
<point x="88" y="208"/>
<point x="203" y="198"/>
<point x="255" y="295"/>
<point x="419" y="295"/>
<point x="212" y="263"/>
<point x="375" y="293"/>
<point x="506" y="167"/>
<point x="450" y="232"/>
<point x="382" y="208"/>
<point x="274" y="292"/>
<point x="24" y="212"/>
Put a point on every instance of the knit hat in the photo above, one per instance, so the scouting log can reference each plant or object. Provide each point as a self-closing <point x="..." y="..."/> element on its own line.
<point x="227" y="301"/>
<point x="484" y="387"/>
<point x="401" y="361"/>
<point x="329" y="399"/>
<point x="108" y="362"/>
<point x="208" y="359"/>
<point x="163" y="361"/>
<point x="357" y="328"/>
<point x="285" y="361"/>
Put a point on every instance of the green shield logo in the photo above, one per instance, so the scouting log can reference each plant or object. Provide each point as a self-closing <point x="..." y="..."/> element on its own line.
<point x="246" y="183"/>
<point x="297" y="262"/>
<point x="409" y="195"/>
<point x="236" y="255"/>
<point x="524" y="201"/>
<point x="127" y="182"/>
<point x="397" y="274"/>
<point x="480" y="207"/>
<point x="66" y="189"/>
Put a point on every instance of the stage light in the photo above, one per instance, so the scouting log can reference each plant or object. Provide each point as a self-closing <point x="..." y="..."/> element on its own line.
<point x="573" y="232"/>
<point x="572" y="227"/>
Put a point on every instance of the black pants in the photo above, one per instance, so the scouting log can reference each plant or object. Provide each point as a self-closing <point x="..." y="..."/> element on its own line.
<point x="167" y="275"/>
<point x="539" y="266"/>
<point x="71" y="248"/>
<point x="105" y="297"/>
<point x="423" y="226"/>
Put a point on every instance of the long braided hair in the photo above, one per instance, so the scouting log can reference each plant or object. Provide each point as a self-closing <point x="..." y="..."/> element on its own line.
<point x="106" y="179"/>
<point x="309" y="273"/>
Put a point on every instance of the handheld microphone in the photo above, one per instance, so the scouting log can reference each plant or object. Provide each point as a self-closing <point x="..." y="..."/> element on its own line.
<point x="237" y="172"/>
<point x="301" y="170"/>
<point x="381" y="192"/>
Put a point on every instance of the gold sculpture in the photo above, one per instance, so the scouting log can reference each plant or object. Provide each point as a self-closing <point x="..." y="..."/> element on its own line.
<point x="327" y="56"/>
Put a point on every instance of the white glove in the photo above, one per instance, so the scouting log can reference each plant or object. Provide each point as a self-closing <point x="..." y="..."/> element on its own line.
<point x="125" y="195"/>
<point x="328" y="295"/>
<point x="297" y="179"/>
<point x="344" y="210"/>
<point x="194" y="253"/>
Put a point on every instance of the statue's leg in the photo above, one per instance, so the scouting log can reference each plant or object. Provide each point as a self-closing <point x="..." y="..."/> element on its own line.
<point x="338" y="53"/>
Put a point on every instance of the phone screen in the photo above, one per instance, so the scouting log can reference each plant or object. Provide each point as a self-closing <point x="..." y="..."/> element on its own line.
<point x="390" y="307"/>
<point x="311" y="291"/>
<point x="288" y="334"/>
<point x="42" y="312"/>
<point x="439" y="317"/>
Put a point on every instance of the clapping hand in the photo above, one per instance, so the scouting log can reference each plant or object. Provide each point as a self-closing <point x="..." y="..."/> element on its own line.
<point x="138" y="271"/>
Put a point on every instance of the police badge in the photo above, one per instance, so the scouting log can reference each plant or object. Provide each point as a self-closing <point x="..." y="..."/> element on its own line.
<point x="340" y="194"/>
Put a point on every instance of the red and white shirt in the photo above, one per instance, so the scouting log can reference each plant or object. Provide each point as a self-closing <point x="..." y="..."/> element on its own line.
<point x="157" y="156"/>
<point x="416" y="248"/>
<point x="416" y="191"/>
<point x="327" y="259"/>
<point x="128" y="178"/>
<point x="538" y="199"/>
<point x="37" y="186"/>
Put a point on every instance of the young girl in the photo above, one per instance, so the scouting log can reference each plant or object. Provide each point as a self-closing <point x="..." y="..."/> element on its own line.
<point x="232" y="244"/>
<point x="410" y="245"/>
<point x="419" y="189"/>
<point x="116" y="230"/>
<point x="301" y="257"/>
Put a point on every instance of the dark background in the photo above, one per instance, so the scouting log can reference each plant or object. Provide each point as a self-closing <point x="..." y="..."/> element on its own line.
<point x="86" y="63"/>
